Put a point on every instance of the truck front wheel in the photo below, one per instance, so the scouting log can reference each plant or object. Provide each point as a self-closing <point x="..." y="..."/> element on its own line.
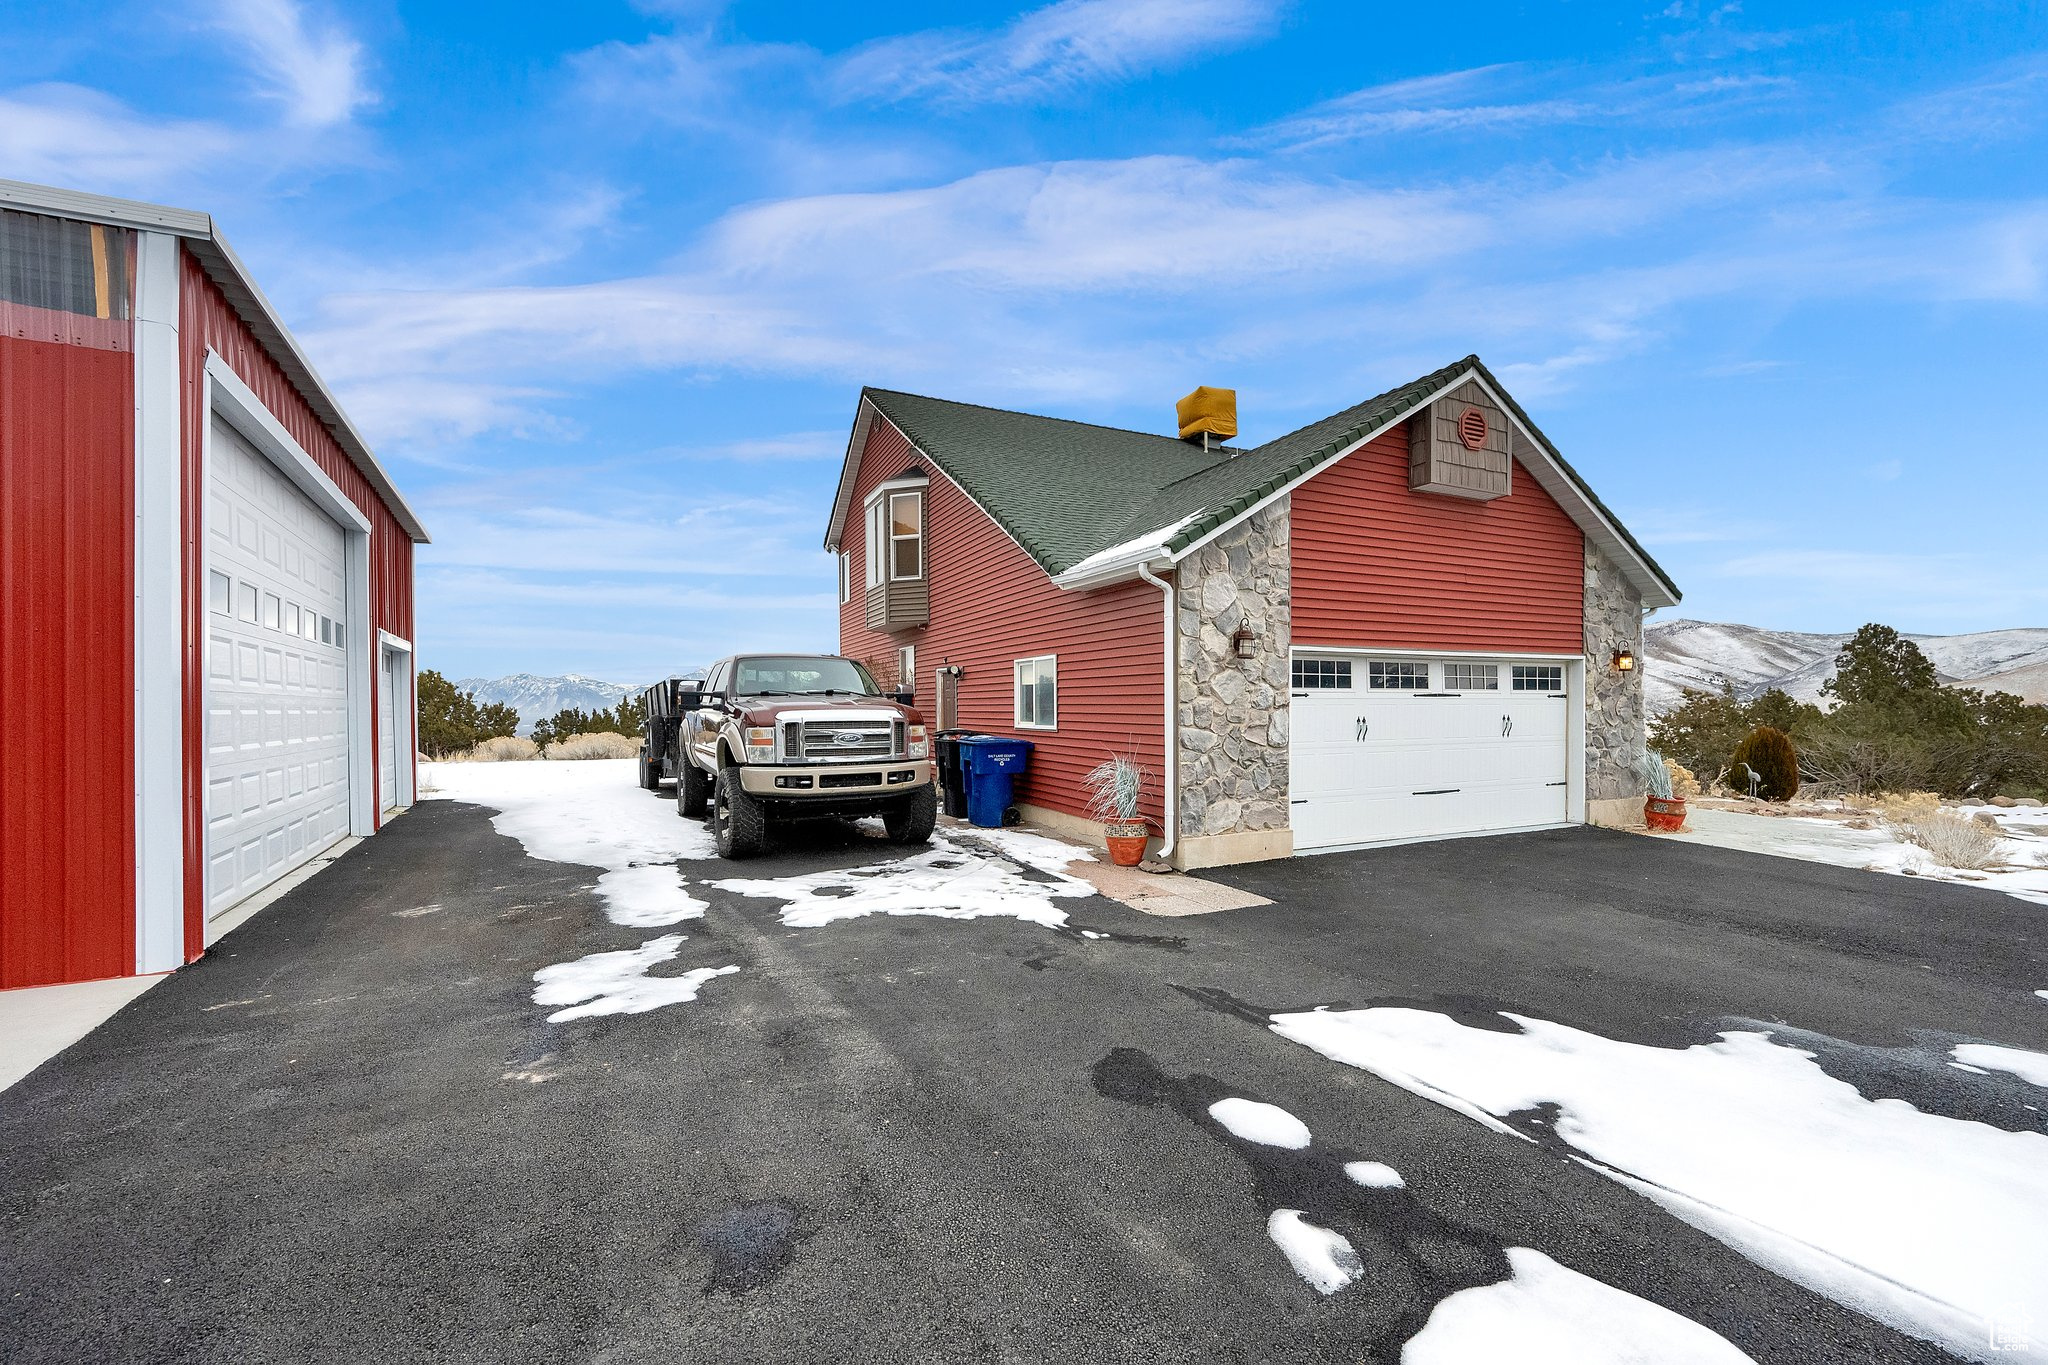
<point x="739" y="825"/>
<point x="912" y="822"/>
<point x="693" y="790"/>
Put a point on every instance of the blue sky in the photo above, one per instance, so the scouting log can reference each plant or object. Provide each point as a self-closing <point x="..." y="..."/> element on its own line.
<point x="602" y="283"/>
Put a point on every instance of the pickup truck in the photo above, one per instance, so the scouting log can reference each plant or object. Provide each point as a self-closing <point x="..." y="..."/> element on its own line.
<point x="777" y="737"/>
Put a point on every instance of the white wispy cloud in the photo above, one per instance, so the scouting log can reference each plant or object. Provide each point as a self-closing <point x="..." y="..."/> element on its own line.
<point x="311" y="65"/>
<point x="70" y="135"/>
<point x="1049" y="51"/>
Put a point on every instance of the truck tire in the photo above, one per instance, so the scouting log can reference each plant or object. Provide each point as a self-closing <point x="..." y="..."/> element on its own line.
<point x="693" y="790"/>
<point x="650" y="772"/>
<point x="739" y="825"/>
<point x="912" y="822"/>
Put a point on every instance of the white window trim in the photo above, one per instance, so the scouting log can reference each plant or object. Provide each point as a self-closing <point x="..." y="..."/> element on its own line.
<point x="1016" y="710"/>
<point x="877" y="533"/>
<point x="845" y="577"/>
<point x="906" y="666"/>
<point x="889" y="521"/>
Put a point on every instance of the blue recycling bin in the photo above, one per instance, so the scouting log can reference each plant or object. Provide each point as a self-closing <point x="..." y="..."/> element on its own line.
<point x="992" y="764"/>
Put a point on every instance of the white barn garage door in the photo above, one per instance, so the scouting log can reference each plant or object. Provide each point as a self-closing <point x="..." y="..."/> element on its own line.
<point x="1421" y="747"/>
<point x="277" y="742"/>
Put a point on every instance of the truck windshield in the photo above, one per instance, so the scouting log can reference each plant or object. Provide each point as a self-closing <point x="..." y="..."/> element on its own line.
<point x="768" y="676"/>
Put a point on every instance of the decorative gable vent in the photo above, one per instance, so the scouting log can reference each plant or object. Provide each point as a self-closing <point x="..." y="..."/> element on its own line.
<point x="1459" y="446"/>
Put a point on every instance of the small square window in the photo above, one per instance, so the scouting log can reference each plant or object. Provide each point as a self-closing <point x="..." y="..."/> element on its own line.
<point x="1037" y="693"/>
<point x="1539" y="677"/>
<point x="291" y="618"/>
<point x="273" y="610"/>
<point x="1315" y="674"/>
<point x="326" y="630"/>
<point x="1472" y="677"/>
<point x="220" y="593"/>
<point x="247" y="602"/>
<point x="1397" y="675"/>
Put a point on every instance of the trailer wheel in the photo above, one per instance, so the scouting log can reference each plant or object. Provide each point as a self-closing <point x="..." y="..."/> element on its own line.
<point x="693" y="790"/>
<point x="913" y="821"/>
<point x="739" y="825"/>
<point x="650" y="772"/>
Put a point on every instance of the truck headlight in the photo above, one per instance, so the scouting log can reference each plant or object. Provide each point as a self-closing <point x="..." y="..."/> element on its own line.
<point x="760" y="743"/>
<point x="920" y="745"/>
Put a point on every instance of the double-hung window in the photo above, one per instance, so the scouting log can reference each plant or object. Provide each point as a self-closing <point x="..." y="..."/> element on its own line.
<point x="1038" y="693"/>
<point x="896" y="536"/>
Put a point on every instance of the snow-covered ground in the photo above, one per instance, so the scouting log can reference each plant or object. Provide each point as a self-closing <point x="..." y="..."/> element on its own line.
<point x="1936" y="1226"/>
<point x="2022" y="869"/>
<point x="1543" y="1312"/>
<point x="593" y="813"/>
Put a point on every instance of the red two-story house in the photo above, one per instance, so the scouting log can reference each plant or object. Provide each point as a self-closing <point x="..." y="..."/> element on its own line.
<point x="1412" y="619"/>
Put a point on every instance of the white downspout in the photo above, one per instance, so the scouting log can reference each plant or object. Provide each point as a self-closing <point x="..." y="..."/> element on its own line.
<point x="1171" y="834"/>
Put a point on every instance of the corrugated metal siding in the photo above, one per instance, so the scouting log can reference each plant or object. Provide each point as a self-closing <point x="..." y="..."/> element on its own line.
<point x="1377" y="565"/>
<point x="207" y="322"/>
<point x="67" y="662"/>
<point x="990" y="606"/>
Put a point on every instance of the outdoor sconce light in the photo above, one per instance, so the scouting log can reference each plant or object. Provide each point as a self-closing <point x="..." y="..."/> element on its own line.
<point x="1244" y="642"/>
<point x="1624" y="661"/>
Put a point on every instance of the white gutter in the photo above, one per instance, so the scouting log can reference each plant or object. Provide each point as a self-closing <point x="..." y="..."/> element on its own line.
<point x="1171" y="804"/>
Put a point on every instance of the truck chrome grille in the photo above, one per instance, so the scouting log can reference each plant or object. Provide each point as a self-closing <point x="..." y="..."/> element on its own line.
<point x="846" y="741"/>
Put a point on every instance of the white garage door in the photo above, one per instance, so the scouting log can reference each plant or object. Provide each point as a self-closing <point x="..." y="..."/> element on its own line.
<point x="276" y="687"/>
<point x="1424" y="747"/>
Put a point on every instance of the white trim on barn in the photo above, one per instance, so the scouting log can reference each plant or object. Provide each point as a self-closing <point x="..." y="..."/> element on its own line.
<point x="159" y="568"/>
<point x="398" y="721"/>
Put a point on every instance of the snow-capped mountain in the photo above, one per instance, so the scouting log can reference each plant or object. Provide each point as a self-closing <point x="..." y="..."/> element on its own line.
<point x="536" y="698"/>
<point x="1680" y="654"/>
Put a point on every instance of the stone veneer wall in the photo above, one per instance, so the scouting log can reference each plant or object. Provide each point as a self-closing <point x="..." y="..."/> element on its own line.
<point x="1233" y="713"/>
<point x="1614" y="700"/>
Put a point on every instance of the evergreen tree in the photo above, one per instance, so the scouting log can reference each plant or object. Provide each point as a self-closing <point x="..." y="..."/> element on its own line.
<point x="1879" y="665"/>
<point x="447" y="717"/>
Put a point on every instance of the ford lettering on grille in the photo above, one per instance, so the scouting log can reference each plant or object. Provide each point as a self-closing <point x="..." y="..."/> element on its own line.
<point x="849" y="737"/>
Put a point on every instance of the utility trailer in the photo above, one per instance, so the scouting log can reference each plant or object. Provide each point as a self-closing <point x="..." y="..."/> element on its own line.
<point x="667" y="702"/>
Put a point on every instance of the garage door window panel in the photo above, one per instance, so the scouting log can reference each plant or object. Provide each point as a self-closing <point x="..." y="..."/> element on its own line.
<point x="1462" y="677"/>
<point x="1321" y="675"/>
<point x="1539" y="677"/>
<point x="1397" y="675"/>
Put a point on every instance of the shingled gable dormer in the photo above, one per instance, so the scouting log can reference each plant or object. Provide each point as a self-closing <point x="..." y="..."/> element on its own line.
<point x="1458" y="446"/>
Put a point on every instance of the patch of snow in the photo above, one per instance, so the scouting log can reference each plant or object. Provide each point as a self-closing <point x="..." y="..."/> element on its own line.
<point x="1973" y="1070"/>
<point x="2023" y="872"/>
<point x="946" y="881"/>
<point x="1933" y="1225"/>
<point x="594" y="814"/>
<point x="618" y="983"/>
<point x="1021" y="845"/>
<point x="1326" y="1259"/>
<point x="1374" y="1175"/>
<point x="1266" y="1124"/>
<point x="1550" y="1314"/>
<point x="2031" y="1067"/>
<point x="1135" y="549"/>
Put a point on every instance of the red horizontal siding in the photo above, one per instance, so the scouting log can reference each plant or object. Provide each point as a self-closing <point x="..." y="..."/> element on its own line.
<point x="67" y="661"/>
<point x="1376" y="565"/>
<point x="991" y="606"/>
<point x="208" y="322"/>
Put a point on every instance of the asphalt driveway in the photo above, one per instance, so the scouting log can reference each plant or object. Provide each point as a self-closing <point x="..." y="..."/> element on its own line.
<point x="351" y="1134"/>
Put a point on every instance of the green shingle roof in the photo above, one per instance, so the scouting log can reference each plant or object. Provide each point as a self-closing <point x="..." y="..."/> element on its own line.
<point x="1067" y="490"/>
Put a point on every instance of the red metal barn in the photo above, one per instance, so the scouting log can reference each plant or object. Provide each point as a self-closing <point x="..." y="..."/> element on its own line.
<point x="206" y="648"/>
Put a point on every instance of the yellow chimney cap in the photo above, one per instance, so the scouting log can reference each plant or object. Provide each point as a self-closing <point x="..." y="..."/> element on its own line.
<point x="1208" y="410"/>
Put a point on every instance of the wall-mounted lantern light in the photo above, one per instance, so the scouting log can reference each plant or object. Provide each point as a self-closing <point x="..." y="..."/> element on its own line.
<point x="1624" y="661"/>
<point x="1244" y="642"/>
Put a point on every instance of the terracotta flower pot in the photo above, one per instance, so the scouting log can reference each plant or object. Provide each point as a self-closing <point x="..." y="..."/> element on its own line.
<point x="1665" y="813"/>
<point x="1126" y="840"/>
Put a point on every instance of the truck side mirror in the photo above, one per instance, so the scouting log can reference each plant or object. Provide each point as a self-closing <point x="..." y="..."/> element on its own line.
<point x="690" y="699"/>
<point x="905" y="696"/>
